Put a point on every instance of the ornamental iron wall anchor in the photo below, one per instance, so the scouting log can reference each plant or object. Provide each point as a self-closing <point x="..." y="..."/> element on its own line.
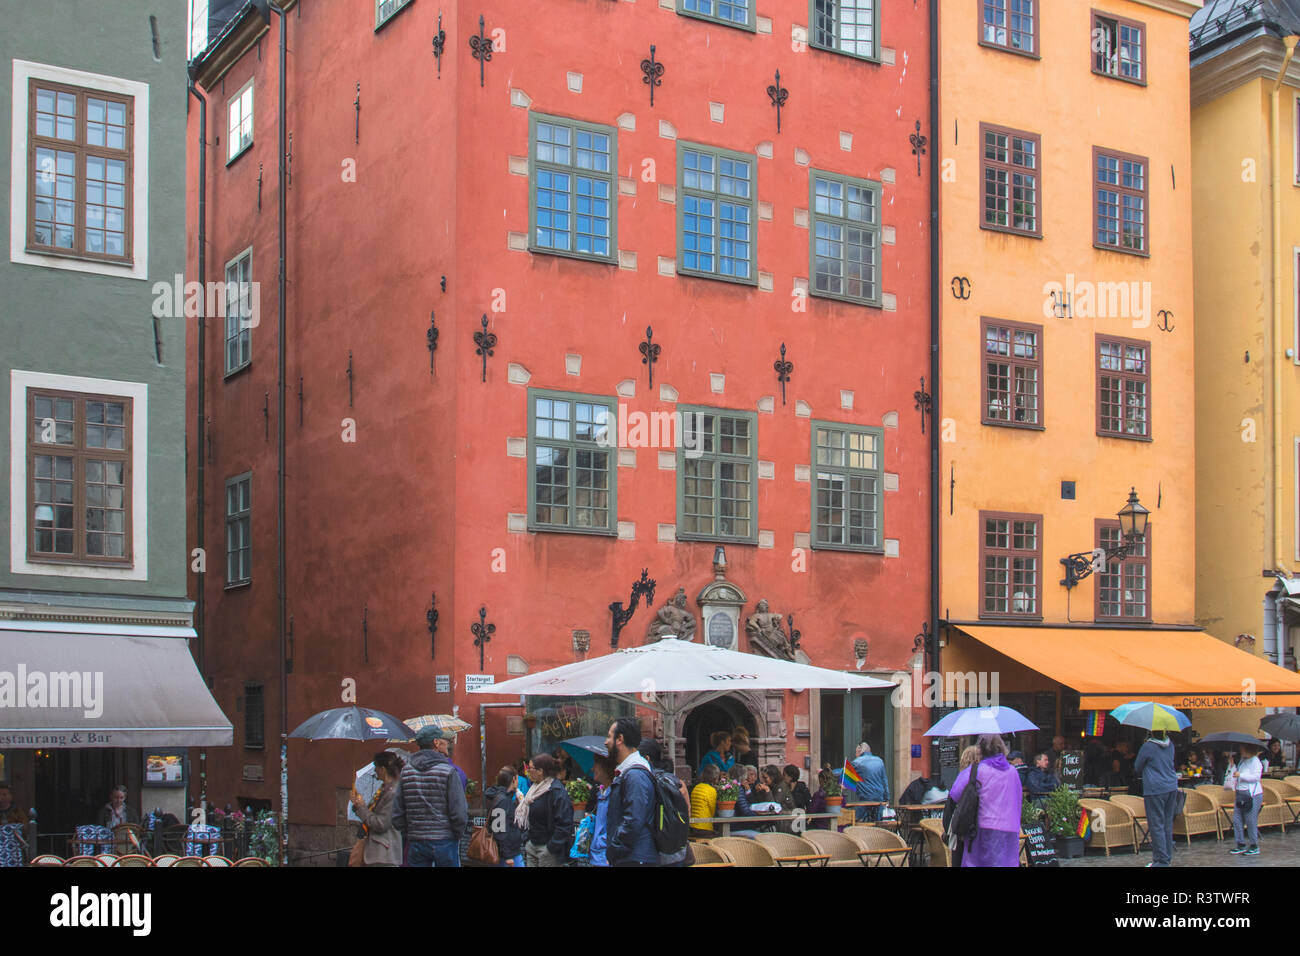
<point x="795" y="636"/>
<point x="653" y="73"/>
<point x="918" y="146"/>
<point x="783" y="371"/>
<point x="365" y="634"/>
<point x="924" y="403"/>
<point x="778" y="95"/>
<point x="259" y="187"/>
<point x="349" y="378"/>
<point x="961" y="287"/>
<point x="649" y="354"/>
<point x="481" y="49"/>
<point x="431" y="616"/>
<point x="1165" y="316"/>
<point x="485" y="341"/>
<point x="482" y="632"/>
<point x="431" y="338"/>
<point x="645" y="587"/>
<point x="357" y="104"/>
<point x="288" y="162"/>
<point x="439" y="39"/>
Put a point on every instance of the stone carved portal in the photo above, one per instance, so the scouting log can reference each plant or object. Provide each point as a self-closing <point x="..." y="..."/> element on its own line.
<point x="759" y="712"/>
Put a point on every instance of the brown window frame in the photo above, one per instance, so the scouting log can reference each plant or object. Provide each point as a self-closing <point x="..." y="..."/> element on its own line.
<point x="985" y="551"/>
<point x="986" y="398"/>
<point x="79" y="453"/>
<point x="82" y="151"/>
<point x="1124" y="375"/>
<point x="1007" y="47"/>
<point x="1145" y="560"/>
<point x="1119" y="22"/>
<point x="1011" y="169"/>
<point x="1122" y="190"/>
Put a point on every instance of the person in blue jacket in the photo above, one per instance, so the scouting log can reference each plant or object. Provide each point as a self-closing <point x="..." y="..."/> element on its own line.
<point x="631" y="799"/>
<point x="602" y="771"/>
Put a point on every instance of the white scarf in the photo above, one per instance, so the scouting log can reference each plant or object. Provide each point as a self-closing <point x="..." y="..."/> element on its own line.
<point x="534" y="791"/>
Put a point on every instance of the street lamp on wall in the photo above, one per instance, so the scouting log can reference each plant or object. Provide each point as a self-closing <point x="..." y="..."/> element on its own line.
<point x="1133" y="530"/>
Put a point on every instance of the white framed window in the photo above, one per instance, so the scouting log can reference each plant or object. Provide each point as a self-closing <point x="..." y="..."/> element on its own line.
<point x="239" y="128"/>
<point x="198" y="27"/>
<point x="1295" y="123"/>
<point x="1295" y="305"/>
<point x="134" y="261"/>
<point x="1295" y="497"/>
<point x="239" y="524"/>
<point x="239" y="311"/>
<point x="20" y="383"/>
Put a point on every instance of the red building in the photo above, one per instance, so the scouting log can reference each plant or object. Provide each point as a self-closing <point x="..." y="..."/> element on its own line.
<point x="540" y="190"/>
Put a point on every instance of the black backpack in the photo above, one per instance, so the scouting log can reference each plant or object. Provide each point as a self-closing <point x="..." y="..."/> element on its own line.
<point x="669" y="815"/>
<point x="965" y="819"/>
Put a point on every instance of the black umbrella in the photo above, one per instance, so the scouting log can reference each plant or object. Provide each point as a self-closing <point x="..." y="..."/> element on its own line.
<point x="1281" y="726"/>
<point x="353" y="723"/>
<point x="1231" y="737"/>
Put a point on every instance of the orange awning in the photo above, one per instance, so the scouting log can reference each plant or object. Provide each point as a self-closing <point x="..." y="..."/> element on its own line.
<point x="1186" y="669"/>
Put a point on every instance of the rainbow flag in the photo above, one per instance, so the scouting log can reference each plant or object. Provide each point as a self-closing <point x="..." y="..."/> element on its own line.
<point x="849" y="777"/>
<point x="1096" y="723"/>
<point x="1085" y="825"/>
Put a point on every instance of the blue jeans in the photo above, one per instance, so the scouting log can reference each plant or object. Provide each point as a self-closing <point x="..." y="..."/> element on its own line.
<point x="1160" y="825"/>
<point x="434" y="853"/>
<point x="1250" y="824"/>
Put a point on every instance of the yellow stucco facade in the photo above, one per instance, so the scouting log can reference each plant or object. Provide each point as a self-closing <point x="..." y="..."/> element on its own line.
<point x="1246" y="205"/>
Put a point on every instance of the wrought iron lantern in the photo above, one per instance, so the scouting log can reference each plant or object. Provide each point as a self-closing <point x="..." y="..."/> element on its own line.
<point x="1133" y="530"/>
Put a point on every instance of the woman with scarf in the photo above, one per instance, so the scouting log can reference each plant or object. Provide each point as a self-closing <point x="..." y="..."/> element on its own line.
<point x="997" y="839"/>
<point x="383" y="843"/>
<point x="547" y="813"/>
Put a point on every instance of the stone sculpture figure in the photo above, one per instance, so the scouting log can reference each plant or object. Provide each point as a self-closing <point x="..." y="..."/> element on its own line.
<point x="767" y="635"/>
<point x="673" y="620"/>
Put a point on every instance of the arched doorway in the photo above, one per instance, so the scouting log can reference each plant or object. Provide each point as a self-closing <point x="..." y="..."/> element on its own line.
<point x="725" y="713"/>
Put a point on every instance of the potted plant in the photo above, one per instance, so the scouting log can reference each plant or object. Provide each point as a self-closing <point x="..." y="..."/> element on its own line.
<point x="1063" y="812"/>
<point x="728" y="792"/>
<point x="579" y="793"/>
<point x="530" y="720"/>
<point x="834" y="795"/>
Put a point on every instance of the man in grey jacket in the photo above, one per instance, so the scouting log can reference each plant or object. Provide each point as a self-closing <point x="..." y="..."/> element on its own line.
<point x="1155" y="762"/>
<point x="430" y="806"/>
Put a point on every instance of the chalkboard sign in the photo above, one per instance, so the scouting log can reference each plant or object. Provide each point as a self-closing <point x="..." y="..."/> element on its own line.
<point x="1039" y="846"/>
<point x="1045" y="712"/>
<point x="1071" y="767"/>
<point x="949" y="749"/>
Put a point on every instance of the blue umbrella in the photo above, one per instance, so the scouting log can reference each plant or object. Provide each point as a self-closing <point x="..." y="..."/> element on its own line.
<point x="584" y="751"/>
<point x="1151" y="716"/>
<point x="973" y="721"/>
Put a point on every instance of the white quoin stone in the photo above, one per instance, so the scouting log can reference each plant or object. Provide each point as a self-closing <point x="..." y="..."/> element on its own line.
<point x="846" y="399"/>
<point x="667" y="393"/>
<point x="803" y="472"/>
<point x="891" y="481"/>
<point x="516" y="524"/>
<point x="766" y="404"/>
<point x="626" y="388"/>
<point x="667" y="130"/>
<point x="668" y="461"/>
<point x="717" y="382"/>
<point x="572" y="364"/>
<point x="627" y="260"/>
<point x="627" y="531"/>
<point x="627" y="458"/>
<point x="717" y="111"/>
<point x="802" y="409"/>
<point x="627" y="121"/>
<point x="767" y="469"/>
<point x="517" y="447"/>
<point x="516" y="374"/>
<point x="890" y="420"/>
<point x="520" y="99"/>
<point x="846" y="141"/>
<point x="667" y="533"/>
<point x="575" y="82"/>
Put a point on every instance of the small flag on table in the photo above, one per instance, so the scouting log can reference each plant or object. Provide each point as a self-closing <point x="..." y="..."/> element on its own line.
<point x="1096" y="723"/>
<point x="1085" y="825"/>
<point x="849" y="777"/>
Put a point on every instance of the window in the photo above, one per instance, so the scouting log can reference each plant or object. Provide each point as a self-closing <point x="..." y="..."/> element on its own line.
<point x="240" y="128"/>
<point x="239" y="521"/>
<point x="1120" y="199"/>
<point x="572" y="179"/>
<point x="198" y="27"/>
<point x="846" y="26"/>
<point x="571" y="442"/>
<point x="717" y="463"/>
<point x="254" y="716"/>
<point x="1123" y="387"/>
<point x="79" y="477"/>
<point x="1010" y="25"/>
<point x="1012" y="194"/>
<point x="1123" y="590"/>
<point x="385" y="10"/>
<point x="239" y="311"/>
<point x="1117" y="47"/>
<point x="1013" y="373"/>
<point x="845" y="238"/>
<point x="1011" y="552"/>
<point x="715" y="213"/>
<point x="79" y="152"/>
<point x="734" y="13"/>
<point x="846" y="487"/>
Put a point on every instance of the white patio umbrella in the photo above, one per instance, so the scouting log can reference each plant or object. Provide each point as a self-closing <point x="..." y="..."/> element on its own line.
<point x="672" y="676"/>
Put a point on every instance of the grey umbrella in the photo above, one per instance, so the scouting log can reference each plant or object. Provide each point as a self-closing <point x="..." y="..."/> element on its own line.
<point x="1231" y="737"/>
<point x="353" y="723"/>
<point x="1281" y="726"/>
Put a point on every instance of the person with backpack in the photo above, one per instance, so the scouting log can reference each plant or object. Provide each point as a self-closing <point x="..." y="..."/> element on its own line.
<point x="988" y="799"/>
<point x="632" y="799"/>
<point x="501" y="803"/>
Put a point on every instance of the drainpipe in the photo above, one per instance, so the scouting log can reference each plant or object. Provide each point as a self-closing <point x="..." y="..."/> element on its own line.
<point x="1278" y="561"/>
<point x="200" y="604"/>
<point x="279" y="505"/>
<point x="934" y="351"/>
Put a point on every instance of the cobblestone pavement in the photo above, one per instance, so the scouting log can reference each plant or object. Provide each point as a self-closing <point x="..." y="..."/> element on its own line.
<point x="1275" y="849"/>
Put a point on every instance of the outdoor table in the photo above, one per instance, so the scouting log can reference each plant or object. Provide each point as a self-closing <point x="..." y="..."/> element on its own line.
<point x="873" y="857"/>
<point x="809" y="859"/>
<point x="753" y="822"/>
<point x="695" y="866"/>
<point x="909" y="817"/>
<point x="1293" y="804"/>
<point x="864" y="803"/>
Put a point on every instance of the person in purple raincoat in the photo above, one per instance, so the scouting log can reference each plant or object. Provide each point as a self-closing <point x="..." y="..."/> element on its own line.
<point x="998" y="841"/>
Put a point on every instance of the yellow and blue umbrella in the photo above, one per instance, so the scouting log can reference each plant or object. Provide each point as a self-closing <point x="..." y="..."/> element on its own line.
<point x="1151" y="716"/>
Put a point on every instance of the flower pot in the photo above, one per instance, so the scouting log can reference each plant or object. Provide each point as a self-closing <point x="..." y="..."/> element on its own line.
<point x="579" y="810"/>
<point x="1069" y="847"/>
<point x="726" y="808"/>
<point x="833" y="803"/>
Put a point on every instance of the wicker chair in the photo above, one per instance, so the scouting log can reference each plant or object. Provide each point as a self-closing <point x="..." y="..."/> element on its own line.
<point x="1116" y="827"/>
<point x="134" y="859"/>
<point x="1293" y="780"/>
<point x="108" y="859"/>
<point x="785" y="845"/>
<point x="744" y="851"/>
<point x="84" y="861"/>
<point x="1283" y="788"/>
<point x="842" y="850"/>
<point x="165" y="859"/>
<point x="252" y="861"/>
<point x="216" y="860"/>
<point x="1200" y="815"/>
<point x="1137" y="809"/>
<point x="47" y="859"/>
<point x="704" y="852"/>
<point x="1273" y="812"/>
<point x="128" y="838"/>
<point x="190" y="861"/>
<point x="875" y="838"/>
<point x="940" y="855"/>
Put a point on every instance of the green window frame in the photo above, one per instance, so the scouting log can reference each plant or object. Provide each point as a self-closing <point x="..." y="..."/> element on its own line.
<point x="717" y="213"/>
<point x="578" y="460"/>
<point x="848" y="483"/>
<point x="844" y="245"/>
<point x="845" y="26"/>
<point x="385" y="10"/>
<point x="572" y="188"/>
<point x="717" y="475"/>
<point x="729" y="13"/>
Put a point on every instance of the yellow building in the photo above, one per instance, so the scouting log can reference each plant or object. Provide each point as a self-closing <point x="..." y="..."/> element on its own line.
<point x="1246" y="207"/>
<point x="1067" y="344"/>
